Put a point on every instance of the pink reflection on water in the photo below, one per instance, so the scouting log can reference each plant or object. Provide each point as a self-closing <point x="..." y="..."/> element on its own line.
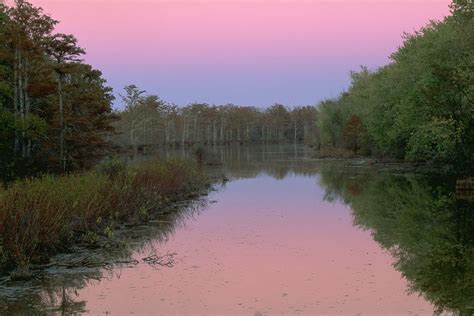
<point x="270" y="247"/>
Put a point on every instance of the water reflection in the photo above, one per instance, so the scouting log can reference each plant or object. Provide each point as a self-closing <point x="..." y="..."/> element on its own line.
<point x="55" y="289"/>
<point x="427" y="229"/>
<point x="288" y="235"/>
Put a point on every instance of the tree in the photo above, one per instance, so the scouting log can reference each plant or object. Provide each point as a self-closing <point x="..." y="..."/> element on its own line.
<point x="352" y="133"/>
<point x="420" y="106"/>
<point x="131" y="115"/>
<point x="65" y="53"/>
<point x="28" y="29"/>
<point x="48" y="97"/>
<point x="88" y="116"/>
<point x="330" y="122"/>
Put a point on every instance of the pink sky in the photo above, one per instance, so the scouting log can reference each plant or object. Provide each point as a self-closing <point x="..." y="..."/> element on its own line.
<point x="246" y="52"/>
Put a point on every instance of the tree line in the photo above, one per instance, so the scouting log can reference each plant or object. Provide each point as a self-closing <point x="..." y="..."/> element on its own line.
<point x="55" y="110"/>
<point x="419" y="106"/>
<point x="147" y="120"/>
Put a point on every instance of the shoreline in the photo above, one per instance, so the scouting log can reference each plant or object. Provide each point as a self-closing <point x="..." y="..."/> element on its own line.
<point x="90" y="211"/>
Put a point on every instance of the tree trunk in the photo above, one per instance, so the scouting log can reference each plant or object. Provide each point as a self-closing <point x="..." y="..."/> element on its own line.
<point x="195" y="129"/>
<point x="214" y="132"/>
<point x="295" y="131"/>
<point x="21" y="99"/>
<point x="183" y="137"/>
<point x="166" y="133"/>
<point x="62" y="157"/>
<point x="132" y="138"/>
<point x="222" y="130"/>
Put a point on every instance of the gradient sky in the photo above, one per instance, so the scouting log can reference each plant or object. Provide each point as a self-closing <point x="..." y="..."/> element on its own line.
<point x="248" y="52"/>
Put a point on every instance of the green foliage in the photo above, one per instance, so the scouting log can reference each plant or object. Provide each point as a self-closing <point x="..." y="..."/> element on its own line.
<point x="331" y="121"/>
<point x="419" y="107"/>
<point x="435" y="140"/>
<point x="31" y="127"/>
<point x="11" y="127"/>
<point x="112" y="167"/>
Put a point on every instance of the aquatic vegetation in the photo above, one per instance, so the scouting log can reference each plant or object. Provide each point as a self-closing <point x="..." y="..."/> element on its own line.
<point x="46" y="215"/>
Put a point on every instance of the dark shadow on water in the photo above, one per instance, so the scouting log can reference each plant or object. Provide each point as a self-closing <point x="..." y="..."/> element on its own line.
<point x="425" y="226"/>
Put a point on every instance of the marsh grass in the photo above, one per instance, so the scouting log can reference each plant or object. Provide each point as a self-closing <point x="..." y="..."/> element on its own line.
<point x="43" y="216"/>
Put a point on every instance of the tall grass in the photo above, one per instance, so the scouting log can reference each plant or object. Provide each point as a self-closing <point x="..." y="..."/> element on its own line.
<point x="42" y="216"/>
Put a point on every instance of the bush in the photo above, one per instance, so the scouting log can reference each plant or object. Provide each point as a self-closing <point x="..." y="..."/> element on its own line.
<point x="43" y="216"/>
<point x="112" y="167"/>
<point x="435" y="140"/>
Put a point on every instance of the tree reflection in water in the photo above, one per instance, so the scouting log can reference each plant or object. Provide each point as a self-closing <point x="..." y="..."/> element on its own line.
<point x="426" y="228"/>
<point x="419" y="219"/>
<point x="55" y="289"/>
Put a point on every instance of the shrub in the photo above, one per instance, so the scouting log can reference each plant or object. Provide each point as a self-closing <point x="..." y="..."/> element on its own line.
<point x="42" y="216"/>
<point x="112" y="167"/>
<point x="435" y="140"/>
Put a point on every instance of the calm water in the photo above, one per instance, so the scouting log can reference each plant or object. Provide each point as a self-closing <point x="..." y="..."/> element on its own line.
<point x="287" y="235"/>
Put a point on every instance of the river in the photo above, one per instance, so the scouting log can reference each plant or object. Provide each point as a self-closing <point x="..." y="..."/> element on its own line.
<point x="286" y="235"/>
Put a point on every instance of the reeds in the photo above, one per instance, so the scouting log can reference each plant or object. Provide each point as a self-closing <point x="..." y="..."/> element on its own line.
<point x="42" y="216"/>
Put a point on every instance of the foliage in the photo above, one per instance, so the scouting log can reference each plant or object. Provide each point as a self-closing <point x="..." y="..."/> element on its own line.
<point x="434" y="140"/>
<point x="112" y="167"/>
<point x="31" y="127"/>
<point x="149" y="121"/>
<point x="419" y="107"/>
<point x="41" y="216"/>
<point x="60" y="107"/>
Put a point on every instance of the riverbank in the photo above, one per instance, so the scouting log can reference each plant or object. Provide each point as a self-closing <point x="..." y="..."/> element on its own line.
<point x="358" y="159"/>
<point x="44" y="216"/>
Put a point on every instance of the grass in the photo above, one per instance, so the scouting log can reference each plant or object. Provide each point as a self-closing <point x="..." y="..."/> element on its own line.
<point x="43" y="216"/>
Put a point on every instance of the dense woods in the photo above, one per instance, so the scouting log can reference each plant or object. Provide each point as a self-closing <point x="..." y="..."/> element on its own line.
<point x="55" y="110"/>
<point x="149" y="121"/>
<point x="420" y="106"/>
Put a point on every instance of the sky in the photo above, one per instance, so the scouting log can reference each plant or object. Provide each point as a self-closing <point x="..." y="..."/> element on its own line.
<point x="246" y="52"/>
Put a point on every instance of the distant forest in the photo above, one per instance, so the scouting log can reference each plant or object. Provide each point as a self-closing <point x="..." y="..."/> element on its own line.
<point x="419" y="107"/>
<point x="149" y="121"/>
<point x="56" y="111"/>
